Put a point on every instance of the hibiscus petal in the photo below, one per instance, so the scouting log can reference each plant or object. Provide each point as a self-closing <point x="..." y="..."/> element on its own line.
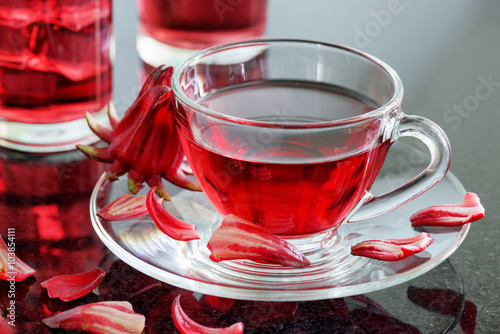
<point x="167" y="223"/>
<point x="125" y="207"/>
<point x="237" y="238"/>
<point x="11" y="267"/>
<point x="108" y="317"/>
<point x="392" y="249"/>
<point x="70" y="287"/>
<point x="467" y="211"/>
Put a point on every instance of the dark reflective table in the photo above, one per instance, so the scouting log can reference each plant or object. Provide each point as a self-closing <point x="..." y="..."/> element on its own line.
<point x="445" y="54"/>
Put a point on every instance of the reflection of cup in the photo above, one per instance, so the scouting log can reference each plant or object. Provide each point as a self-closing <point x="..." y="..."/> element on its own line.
<point x="171" y="29"/>
<point x="54" y="66"/>
<point x="45" y="196"/>
<point x="294" y="141"/>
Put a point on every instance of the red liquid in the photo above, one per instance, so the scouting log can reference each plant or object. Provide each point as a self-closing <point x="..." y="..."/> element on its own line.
<point x="54" y="59"/>
<point x="196" y="24"/>
<point x="290" y="184"/>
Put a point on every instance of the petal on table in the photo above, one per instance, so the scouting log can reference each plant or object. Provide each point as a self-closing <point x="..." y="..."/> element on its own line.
<point x="108" y="317"/>
<point x="70" y="287"/>
<point x="11" y="267"/>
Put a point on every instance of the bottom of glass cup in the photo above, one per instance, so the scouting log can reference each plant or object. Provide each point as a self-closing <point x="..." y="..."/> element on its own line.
<point x="155" y="53"/>
<point x="49" y="138"/>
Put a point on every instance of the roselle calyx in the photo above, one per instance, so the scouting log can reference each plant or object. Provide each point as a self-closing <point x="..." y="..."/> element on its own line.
<point x="238" y="239"/>
<point x="173" y="227"/>
<point x="11" y="267"/>
<point x="145" y="143"/>
<point x="102" y="317"/>
<point x="188" y="326"/>
<point x="467" y="211"/>
<point x="392" y="249"/>
<point x="73" y="286"/>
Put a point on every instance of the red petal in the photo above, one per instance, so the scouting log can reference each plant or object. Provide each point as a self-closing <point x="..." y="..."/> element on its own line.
<point x="70" y="287"/>
<point x="187" y="326"/>
<point x="467" y="211"/>
<point x="168" y="224"/>
<point x="237" y="238"/>
<point x="392" y="249"/>
<point x="102" y="317"/>
<point x="159" y="77"/>
<point x="125" y="207"/>
<point x="11" y="267"/>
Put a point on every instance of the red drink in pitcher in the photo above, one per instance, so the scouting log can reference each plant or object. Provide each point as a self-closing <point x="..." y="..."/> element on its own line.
<point x="197" y="24"/>
<point x="54" y="59"/>
<point x="290" y="184"/>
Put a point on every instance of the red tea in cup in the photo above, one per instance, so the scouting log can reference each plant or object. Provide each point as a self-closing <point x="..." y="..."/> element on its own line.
<point x="293" y="185"/>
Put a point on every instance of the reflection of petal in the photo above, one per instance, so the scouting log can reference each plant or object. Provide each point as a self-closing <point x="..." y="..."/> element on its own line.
<point x="439" y="229"/>
<point x="408" y="264"/>
<point x="351" y="236"/>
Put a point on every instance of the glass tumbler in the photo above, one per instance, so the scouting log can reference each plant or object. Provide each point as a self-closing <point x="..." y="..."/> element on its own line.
<point x="55" y="65"/>
<point x="172" y="30"/>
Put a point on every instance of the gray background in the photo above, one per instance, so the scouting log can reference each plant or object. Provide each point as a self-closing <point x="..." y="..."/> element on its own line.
<point x="443" y="52"/>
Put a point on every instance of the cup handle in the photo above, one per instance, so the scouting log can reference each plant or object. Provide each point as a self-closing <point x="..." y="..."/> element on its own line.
<point x="439" y="147"/>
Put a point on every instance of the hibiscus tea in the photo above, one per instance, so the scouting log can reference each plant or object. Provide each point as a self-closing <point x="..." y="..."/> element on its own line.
<point x="54" y="64"/>
<point x="197" y="24"/>
<point x="290" y="182"/>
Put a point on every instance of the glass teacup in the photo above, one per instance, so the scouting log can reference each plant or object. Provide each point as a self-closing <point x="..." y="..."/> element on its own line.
<point x="291" y="134"/>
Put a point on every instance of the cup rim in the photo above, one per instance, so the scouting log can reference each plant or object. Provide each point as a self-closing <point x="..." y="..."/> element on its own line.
<point x="393" y="102"/>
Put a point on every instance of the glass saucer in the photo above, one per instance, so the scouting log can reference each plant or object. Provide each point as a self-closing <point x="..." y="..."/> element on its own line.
<point x="335" y="274"/>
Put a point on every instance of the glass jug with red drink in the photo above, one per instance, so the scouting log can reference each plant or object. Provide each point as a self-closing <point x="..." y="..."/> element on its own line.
<point x="54" y="66"/>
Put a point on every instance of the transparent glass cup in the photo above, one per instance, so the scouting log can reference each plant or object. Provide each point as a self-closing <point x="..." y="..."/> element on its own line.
<point x="55" y="65"/>
<point x="291" y="134"/>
